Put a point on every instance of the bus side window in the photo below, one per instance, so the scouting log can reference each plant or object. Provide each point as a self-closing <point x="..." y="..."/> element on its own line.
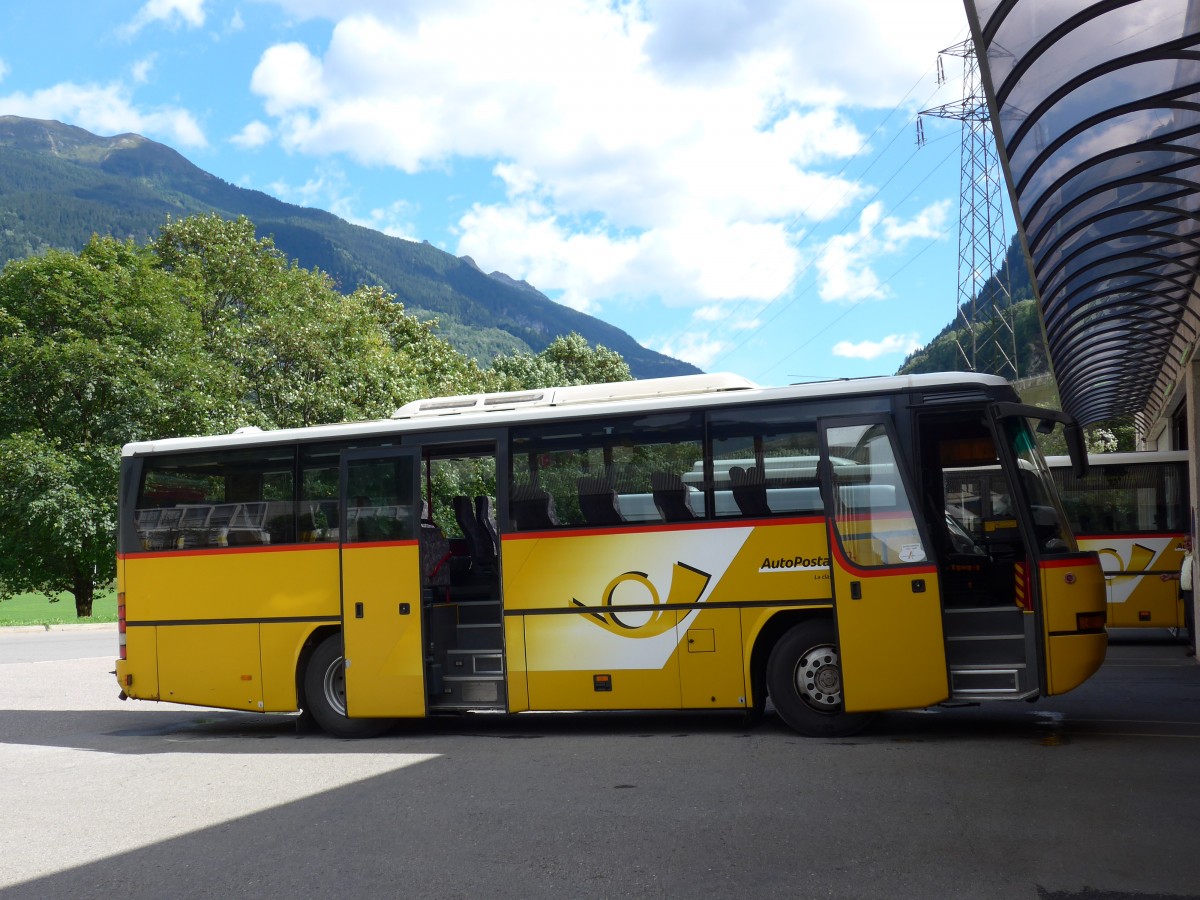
<point x="602" y="473"/>
<point x="217" y="499"/>
<point x="764" y="461"/>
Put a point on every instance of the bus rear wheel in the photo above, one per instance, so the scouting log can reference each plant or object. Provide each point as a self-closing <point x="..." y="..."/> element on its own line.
<point x="804" y="682"/>
<point x="325" y="694"/>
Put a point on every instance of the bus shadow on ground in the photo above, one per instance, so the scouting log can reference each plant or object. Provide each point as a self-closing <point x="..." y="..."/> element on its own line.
<point x="156" y="732"/>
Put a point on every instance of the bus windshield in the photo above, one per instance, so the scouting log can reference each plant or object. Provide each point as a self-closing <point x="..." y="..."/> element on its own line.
<point x="1046" y="512"/>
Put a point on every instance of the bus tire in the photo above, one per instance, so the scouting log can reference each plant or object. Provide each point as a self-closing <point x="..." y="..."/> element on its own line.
<point x="325" y="694"/>
<point x="804" y="682"/>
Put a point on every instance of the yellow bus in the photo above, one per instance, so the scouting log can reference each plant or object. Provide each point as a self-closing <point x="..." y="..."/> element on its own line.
<point x="691" y="543"/>
<point x="1132" y="510"/>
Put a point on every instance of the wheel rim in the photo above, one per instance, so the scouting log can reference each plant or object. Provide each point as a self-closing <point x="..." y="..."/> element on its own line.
<point x="818" y="678"/>
<point x="334" y="686"/>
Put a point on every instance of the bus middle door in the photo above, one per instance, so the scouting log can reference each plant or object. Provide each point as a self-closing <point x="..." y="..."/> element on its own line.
<point x="885" y="588"/>
<point x="381" y="585"/>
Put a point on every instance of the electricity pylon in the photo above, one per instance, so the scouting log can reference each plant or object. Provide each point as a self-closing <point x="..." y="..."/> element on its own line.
<point x="984" y="327"/>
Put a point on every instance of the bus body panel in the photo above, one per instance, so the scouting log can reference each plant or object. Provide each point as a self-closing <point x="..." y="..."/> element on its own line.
<point x="1074" y="658"/>
<point x="384" y="651"/>
<point x="1072" y="588"/>
<point x="189" y="603"/>
<point x="1141" y="574"/>
<point x="295" y="581"/>
<point x="282" y="644"/>
<point x="518" y="676"/>
<point x="211" y="665"/>
<point x="889" y="626"/>
<point x="625" y="604"/>
<point x="138" y="672"/>
<point x="711" y="667"/>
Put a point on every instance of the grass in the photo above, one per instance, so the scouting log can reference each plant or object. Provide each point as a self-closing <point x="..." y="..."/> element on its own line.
<point x="36" y="609"/>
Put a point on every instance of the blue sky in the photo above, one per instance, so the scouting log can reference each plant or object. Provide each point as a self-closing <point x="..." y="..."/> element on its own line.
<point x="733" y="182"/>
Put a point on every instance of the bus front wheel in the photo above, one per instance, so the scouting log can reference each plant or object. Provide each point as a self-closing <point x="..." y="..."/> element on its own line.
<point x="804" y="682"/>
<point x="325" y="693"/>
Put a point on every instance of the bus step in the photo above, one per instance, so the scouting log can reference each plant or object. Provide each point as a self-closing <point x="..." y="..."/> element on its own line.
<point x="984" y="681"/>
<point x="1000" y="650"/>
<point x="470" y="692"/>
<point x="982" y="620"/>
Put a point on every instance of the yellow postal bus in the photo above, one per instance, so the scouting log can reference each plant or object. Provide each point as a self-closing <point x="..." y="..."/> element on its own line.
<point x="1132" y="510"/>
<point x="681" y="543"/>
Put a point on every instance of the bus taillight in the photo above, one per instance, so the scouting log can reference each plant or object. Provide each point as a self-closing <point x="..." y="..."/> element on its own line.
<point x="121" y="623"/>
<point x="1090" y="621"/>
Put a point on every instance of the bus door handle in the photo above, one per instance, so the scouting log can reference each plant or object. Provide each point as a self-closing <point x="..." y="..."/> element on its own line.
<point x="918" y="585"/>
<point x="358" y="610"/>
<point x="856" y="590"/>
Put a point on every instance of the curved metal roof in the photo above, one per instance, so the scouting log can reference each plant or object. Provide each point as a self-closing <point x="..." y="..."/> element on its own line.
<point x="1096" y="107"/>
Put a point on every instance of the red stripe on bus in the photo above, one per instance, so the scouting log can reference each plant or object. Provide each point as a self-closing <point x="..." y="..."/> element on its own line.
<point x="1075" y="559"/>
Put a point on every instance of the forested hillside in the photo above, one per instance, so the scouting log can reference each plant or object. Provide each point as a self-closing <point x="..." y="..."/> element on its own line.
<point x="59" y="185"/>
<point x="942" y="354"/>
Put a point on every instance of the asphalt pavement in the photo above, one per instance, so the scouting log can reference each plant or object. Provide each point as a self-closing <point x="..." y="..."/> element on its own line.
<point x="1090" y="796"/>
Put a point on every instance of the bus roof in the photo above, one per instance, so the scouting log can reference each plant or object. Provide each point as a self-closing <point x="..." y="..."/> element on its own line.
<point x="521" y="407"/>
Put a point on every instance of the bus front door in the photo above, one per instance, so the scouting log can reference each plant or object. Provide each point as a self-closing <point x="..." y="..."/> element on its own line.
<point x="381" y="587"/>
<point x="885" y="586"/>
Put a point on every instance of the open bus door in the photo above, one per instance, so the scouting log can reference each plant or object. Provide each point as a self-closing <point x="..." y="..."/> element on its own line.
<point x="885" y="586"/>
<point x="381" y="585"/>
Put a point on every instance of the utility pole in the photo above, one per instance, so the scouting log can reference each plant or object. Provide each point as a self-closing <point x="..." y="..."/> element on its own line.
<point x="984" y="326"/>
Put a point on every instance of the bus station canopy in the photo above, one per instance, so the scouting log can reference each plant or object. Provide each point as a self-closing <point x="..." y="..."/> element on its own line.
<point x="1096" y="108"/>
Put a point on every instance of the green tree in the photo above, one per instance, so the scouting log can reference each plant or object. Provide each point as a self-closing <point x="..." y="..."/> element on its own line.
<point x="569" y="360"/>
<point x="303" y="353"/>
<point x="94" y="351"/>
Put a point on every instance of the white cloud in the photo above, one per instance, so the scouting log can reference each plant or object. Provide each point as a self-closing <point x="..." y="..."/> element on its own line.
<point x="3" y="69"/>
<point x="106" y="109"/>
<point x="255" y="134"/>
<point x="140" y="70"/>
<point x="729" y="319"/>
<point x="698" y="349"/>
<point x="330" y="189"/>
<point x="236" y="22"/>
<point x="696" y="260"/>
<point x="680" y="149"/>
<point x="395" y="219"/>
<point x="844" y="267"/>
<point x="892" y="344"/>
<point x="169" y="12"/>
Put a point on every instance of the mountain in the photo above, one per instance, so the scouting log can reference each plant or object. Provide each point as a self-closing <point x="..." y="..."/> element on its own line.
<point x="60" y="184"/>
